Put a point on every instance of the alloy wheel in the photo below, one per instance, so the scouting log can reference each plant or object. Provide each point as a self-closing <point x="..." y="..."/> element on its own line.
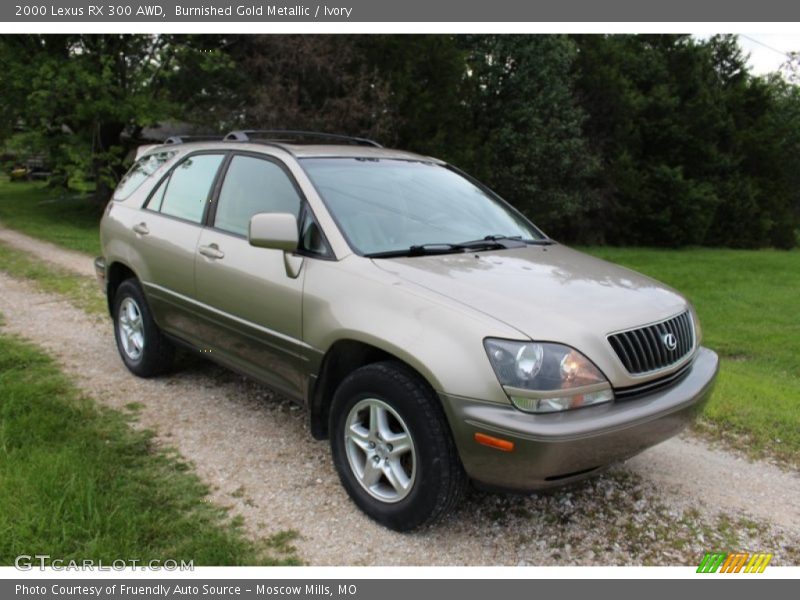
<point x="380" y="450"/>
<point x="131" y="328"/>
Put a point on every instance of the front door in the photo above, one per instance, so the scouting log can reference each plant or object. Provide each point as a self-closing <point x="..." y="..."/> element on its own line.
<point x="246" y="292"/>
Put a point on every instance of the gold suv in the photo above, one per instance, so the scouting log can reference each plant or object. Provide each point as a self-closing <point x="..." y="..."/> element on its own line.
<point x="432" y="332"/>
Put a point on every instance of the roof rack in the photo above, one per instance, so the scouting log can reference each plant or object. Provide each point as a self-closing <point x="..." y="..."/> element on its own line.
<point x="184" y="139"/>
<point x="288" y="135"/>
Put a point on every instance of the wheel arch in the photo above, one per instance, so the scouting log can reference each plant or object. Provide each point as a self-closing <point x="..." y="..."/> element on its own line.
<point x="116" y="273"/>
<point x="342" y="358"/>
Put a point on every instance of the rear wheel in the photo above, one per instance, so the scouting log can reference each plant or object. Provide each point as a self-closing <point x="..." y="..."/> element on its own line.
<point x="143" y="347"/>
<point x="392" y="447"/>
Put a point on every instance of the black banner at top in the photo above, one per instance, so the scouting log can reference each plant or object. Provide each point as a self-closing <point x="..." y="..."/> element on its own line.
<point x="38" y="11"/>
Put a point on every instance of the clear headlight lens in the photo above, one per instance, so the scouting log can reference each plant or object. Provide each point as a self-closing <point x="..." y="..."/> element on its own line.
<point x="529" y="359"/>
<point x="545" y="377"/>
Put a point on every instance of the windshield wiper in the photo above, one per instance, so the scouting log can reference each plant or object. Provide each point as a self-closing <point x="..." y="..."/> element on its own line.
<point x="519" y="238"/>
<point x="500" y="236"/>
<point x="438" y="248"/>
<point x="490" y="242"/>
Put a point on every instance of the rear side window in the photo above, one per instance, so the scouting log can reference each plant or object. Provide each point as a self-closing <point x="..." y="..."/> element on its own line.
<point x="251" y="186"/>
<point x="188" y="188"/>
<point x="139" y="172"/>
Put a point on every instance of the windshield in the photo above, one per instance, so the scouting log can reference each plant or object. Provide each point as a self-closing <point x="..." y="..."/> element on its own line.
<point x="386" y="205"/>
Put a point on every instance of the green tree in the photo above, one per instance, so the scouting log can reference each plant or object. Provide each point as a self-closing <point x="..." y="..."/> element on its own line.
<point x="779" y="163"/>
<point x="529" y="145"/>
<point x="87" y="97"/>
<point x="693" y="150"/>
<point x="652" y="119"/>
<point x="427" y="105"/>
<point x="308" y="82"/>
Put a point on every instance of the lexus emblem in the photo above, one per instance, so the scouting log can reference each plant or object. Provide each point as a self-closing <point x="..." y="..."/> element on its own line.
<point x="670" y="341"/>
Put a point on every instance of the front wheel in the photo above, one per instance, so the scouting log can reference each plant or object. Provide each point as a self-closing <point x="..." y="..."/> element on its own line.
<point x="392" y="447"/>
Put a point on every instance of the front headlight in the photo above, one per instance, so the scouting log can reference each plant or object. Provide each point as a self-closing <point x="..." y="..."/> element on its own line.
<point x="543" y="377"/>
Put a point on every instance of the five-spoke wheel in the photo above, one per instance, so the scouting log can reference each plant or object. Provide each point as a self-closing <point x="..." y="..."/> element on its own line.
<point x="392" y="446"/>
<point x="143" y="348"/>
<point x="380" y="450"/>
<point x="131" y="328"/>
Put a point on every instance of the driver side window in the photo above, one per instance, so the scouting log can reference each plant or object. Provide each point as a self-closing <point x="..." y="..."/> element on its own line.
<point x="253" y="185"/>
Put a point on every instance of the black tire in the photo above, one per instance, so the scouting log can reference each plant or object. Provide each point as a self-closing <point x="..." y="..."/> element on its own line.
<point x="439" y="480"/>
<point x="157" y="353"/>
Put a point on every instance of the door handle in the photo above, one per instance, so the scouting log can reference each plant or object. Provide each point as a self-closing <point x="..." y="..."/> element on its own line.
<point x="141" y="229"/>
<point x="211" y="251"/>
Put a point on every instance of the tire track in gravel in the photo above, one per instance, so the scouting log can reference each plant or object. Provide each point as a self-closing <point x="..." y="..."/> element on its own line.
<point x="68" y="259"/>
<point x="254" y="450"/>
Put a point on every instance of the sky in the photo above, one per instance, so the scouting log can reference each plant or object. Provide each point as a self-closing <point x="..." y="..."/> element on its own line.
<point x="767" y="50"/>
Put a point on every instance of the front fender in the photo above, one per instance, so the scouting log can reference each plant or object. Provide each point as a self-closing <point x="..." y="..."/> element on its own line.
<point x="442" y="340"/>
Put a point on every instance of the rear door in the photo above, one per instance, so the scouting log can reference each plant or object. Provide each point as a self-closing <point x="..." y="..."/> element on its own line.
<point x="253" y="303"/>
<point x="168" y="230"/>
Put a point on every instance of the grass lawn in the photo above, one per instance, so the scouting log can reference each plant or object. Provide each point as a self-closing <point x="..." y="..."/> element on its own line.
<point x="748" y="301"/>
<point x="64" y="218"/>
<point x="76" y="481"/>
<point x="749" y="307"/>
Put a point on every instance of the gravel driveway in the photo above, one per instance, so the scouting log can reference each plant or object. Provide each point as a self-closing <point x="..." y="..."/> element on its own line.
<point x="667" y="506"/>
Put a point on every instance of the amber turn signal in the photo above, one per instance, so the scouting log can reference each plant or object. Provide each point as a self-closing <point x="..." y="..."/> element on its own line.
<point x="493" y="442"/>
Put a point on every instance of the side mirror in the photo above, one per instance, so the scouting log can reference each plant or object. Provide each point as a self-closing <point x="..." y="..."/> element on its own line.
<point x="273" y="230"/>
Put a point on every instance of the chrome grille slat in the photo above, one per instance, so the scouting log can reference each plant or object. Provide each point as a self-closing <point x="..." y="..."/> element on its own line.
<point x="632" y="350"/>
<point x="638" y="349"/>
<point x="619" y="348"/>
<point x="689" y="335"/>
<point x="680" y="327"/>
<point x="652" y="342"/>
<point x="643" y="350"/>
<point x="650" y="359"/>
<point x="661" y="330"/>
<point x="676" y="329"/>
<point x="630" y="353"/>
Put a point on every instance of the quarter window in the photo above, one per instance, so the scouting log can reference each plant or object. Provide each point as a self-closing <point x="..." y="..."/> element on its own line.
<point x="311" y="238"/>
<point x="251" y="186"/>
<point x="189" y="186"/>
<point x="139" y="172"/>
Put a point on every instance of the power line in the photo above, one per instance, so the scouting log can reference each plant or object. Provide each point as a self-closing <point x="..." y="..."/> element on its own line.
<point x="767" y="46"/>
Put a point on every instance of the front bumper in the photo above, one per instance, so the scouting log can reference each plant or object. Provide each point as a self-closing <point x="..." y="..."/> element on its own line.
<point x="559" y="448"/>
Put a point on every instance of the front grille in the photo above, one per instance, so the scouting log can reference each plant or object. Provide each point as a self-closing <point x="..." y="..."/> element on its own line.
<point x="654" y="385"/>
<point x="649" y="348"/>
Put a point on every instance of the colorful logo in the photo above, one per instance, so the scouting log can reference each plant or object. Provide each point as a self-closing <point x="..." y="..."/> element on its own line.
<point x="744" y="562"/>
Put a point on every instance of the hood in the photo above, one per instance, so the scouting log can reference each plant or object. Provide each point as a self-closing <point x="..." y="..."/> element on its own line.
<point x="548" y="293"/>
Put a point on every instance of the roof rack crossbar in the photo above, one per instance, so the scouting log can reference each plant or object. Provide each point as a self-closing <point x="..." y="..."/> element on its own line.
<point x="183" y="139"/>
<point x="281" y="135"/>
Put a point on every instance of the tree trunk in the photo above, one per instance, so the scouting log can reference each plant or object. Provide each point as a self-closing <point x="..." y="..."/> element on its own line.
<point x="106" y="165"/>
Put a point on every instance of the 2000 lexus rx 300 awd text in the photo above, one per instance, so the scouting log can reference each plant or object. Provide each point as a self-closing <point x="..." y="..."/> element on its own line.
<point x="433" y="333"/>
